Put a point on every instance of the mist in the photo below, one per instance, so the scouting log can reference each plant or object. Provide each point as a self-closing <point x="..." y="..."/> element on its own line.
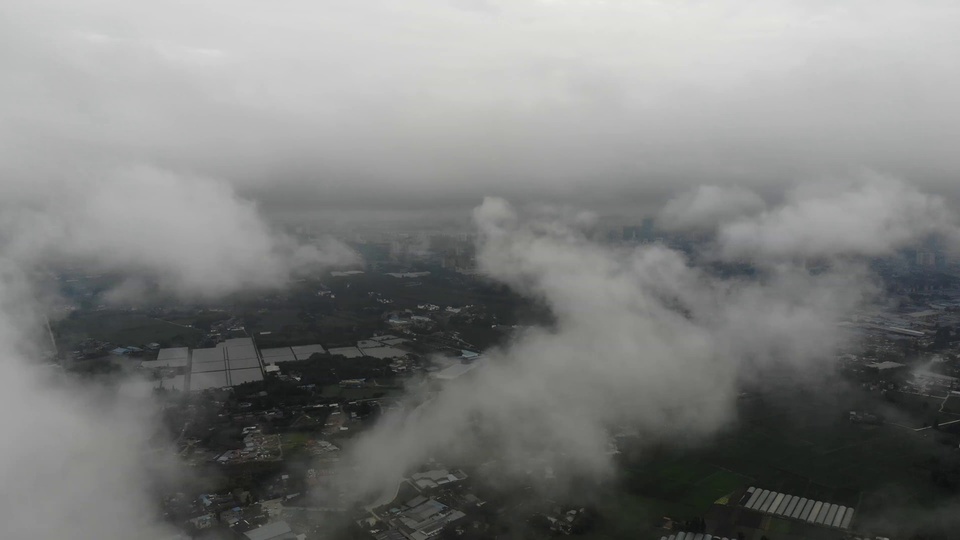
<point x="644" y="342"/>
<point x="163" y="141"/>
<point x="81" y="459"/>
<point x="343" y="107"/>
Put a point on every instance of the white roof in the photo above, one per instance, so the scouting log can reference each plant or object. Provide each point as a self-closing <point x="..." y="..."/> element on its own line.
<point x="243" y="363"/>
<point x="382" y="352"/>
<point x="456" y="370"/>
<point x="206" y="367"/>
<point x="241" y="351"/>
<point x="349" y="352"/>
<point x="270" y="531"/>
<point x="278" y="354"/>
<point x="240" y="376"/>
<point x="304" y="352"/>
<point x="207" y="355"/>
<point x="173" y="353"/>
<point x="167" y="363"/>
<point x="202" y="381"/>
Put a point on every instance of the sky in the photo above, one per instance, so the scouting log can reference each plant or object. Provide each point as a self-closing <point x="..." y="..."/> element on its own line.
<point x="323" y="105"/>
<point x="162" y="140"/>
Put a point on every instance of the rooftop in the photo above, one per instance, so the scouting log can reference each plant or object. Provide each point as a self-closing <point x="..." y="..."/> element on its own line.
<point x="278" y="354"/>
<point x="278" y="530"/>
<point x="349" y="352"/>
<point x="304" y="352"/>
<point x="382" y="352"/>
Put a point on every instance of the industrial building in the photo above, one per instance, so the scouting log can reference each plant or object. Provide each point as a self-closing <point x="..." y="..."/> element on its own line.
<point x="304" y="352"/>
<point x="277" y="355"/>
<point x="693" y="536"/>
<point x="278" y="530"/>
<point x="177" y="357"/>
<point x="458" y="370"/>
<point x="798" y="508"/>
<point x="382" y="352"/>
<point x="348" y="352"/>
<point x="421" y="518"/>
<point x="233" y="362"/>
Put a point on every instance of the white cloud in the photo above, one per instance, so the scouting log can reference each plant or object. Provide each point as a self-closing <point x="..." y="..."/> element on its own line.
<point x="326" y="102"/>
<point x="642" y="340"/>
<point x="871" y="216"/>
<point x="193" y="234"/>
<point x="706" y="207"/>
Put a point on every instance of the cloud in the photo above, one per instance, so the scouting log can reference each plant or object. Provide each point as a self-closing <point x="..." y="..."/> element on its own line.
<point x="75" y="458"/>
<point x="80" y="458"/>
<point x="870" y="216"/>
<point x="149" y="138"/>
<point x="642" y="340"/>
<point x="596" y="101"/>
<point x="705" y="207"/>
<point x="194" y="235"/>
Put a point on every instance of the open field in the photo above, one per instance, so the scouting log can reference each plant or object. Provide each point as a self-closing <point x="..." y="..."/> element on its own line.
<point x="123" y="328"/>
<point x="800" y="445"/>
<point x="335" y="391"/>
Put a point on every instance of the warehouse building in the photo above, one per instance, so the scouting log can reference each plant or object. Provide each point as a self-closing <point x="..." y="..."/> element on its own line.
<point x="233" y="362"/>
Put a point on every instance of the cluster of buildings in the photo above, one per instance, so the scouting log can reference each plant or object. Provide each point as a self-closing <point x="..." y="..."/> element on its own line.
<point x="421" y="518"/>
<point x="460" y="366"/>
<point x="438" y="504"/>
<point x="762" y="513"/>
<point x="257" y="446"/>
<point x="230" y="363"/>
<point x="436" y="478"/>
<point x="237" y="361"/>
<point x="383" y="347"/>
<point x="800" y="508"/>
<point x="232" y="511"/>
<point x="917" y="322"/>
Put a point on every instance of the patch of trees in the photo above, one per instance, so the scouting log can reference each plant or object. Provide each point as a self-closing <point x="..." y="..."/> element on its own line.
<point x="94" y="367"/>
<point x="945" y="474"/>
<point x="323" y="369"/>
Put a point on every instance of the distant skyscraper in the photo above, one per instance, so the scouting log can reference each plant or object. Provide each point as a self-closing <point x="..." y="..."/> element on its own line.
<point x="926" y="258"/>
<point x="647" y="232"/>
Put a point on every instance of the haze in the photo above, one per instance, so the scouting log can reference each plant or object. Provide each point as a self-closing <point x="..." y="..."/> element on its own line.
<point x="166" y="142"/>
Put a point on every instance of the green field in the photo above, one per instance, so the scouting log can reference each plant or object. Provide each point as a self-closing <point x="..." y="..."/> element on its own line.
<point x="123" y="328"/>
<point x="682" y="486"/>
<point x="798" y="445"/>
<point x="335" y="391"/>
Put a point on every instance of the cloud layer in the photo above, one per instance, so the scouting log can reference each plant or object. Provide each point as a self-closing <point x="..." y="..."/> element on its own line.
<point x="869" y="216"/>
<point x="707" y="207"/>
<point x="193" y="235"/>
<point x="375" y="104"/>
<point x="642" y="341"/>
<point x="147" y="138"/>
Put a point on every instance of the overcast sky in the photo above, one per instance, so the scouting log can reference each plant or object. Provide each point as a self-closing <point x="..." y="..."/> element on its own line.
<point x="424" y="103"/>
<point x="151" y="138"/>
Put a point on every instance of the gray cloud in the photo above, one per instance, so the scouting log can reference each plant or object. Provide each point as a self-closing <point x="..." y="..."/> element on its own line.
<point x="195" y="235"/>
<point x="75" y="455"/>
<point x="326" y="103"/>
<point x="633" y="329"/>
<point x="135" y="136"/>
<point x="74" y="459"/>
<point x="706" y="207"/>
<point x="870" y="216"/>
